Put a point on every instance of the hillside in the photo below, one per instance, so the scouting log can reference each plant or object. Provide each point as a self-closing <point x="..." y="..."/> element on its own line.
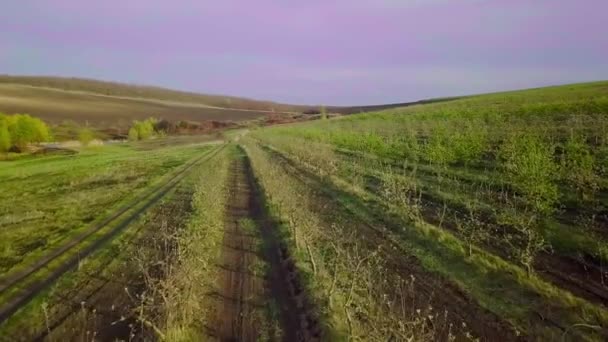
<point x="501" y="196"/>
<point x="108" y="104"/>
<point x="111" y="104"/>
<point x="116" y="89"/>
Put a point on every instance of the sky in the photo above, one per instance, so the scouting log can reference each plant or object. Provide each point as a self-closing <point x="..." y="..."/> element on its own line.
<point x="334" y="52"/>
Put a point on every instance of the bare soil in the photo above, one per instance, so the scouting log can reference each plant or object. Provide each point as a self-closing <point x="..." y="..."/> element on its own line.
<point x="244" y="295"/>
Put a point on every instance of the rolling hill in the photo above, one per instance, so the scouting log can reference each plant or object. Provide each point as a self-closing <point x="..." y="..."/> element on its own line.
<point x="110" y="104"/>
<point x="106" y="104"/>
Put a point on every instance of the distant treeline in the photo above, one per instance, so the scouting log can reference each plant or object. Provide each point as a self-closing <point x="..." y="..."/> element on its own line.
<point x="150" y="127"/>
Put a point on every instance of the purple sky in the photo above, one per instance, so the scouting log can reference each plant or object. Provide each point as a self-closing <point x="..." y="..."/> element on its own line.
<point x="311" y="51"/>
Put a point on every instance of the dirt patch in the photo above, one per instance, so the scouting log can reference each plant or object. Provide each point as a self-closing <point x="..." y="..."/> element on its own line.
<point x="244" y="292"/>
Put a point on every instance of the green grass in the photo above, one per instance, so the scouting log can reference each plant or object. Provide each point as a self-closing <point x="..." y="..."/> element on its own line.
<point x="342" y="269"/>
<point x="114" y="261"/>
<point x="46" y="200"/>
<point x="196" y="275"/>
<point x="528" y="169"/>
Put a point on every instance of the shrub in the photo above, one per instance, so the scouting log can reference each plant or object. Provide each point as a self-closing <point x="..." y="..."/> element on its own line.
<point x="24" y="129"/>
<point x="141" y="130"/>
<point x="472" y="229"/>
<point x="133" y="136"/>
<point x="578" y="167"/>
<point x="5" y="138"/>
<point x="438" y="150"/>
<point x="409" y="145"/>
<point x="323" y="113"/>
<point x="529" y="240"/>
<point x="530" y="168"/>
<point x="85" y="136"/>
<point x="470" y="143"/>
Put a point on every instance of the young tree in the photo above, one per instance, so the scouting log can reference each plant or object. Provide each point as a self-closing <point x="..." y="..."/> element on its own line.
<point x="472" y="229"/>
<point x="529" y="165"/>
<point x="323" y="113"/>
<point x="438" y="148"/>
<point x="470" y="142"/>
<point x="141" y="130"/>
<point x="578" y="167"/>
<point x="24" y="129"/>
<point x="529" y="240"/>
<point x="5" y="138"/>
<point x="133" y="135"/>
<point x="41" y="131"/>
<point x="85" y="136"/>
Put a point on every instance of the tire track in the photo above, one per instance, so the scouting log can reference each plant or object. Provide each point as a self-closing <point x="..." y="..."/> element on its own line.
<point x="149" y="198"/>
<point x="241" y="291"/>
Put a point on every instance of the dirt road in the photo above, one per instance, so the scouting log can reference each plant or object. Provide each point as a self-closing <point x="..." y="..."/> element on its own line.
<point x="258" y="293"/>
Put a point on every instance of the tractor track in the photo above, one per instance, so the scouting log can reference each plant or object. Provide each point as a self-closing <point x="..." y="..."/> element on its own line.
<point x="242" y="293"/>
<point x="149" y="198"/>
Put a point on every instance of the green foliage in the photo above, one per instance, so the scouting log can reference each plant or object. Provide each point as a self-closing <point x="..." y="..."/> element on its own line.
<point x="24" y="129"/>
<point x="475" y="184"/>
<point x="85" y="136"/>
<point x="470" y="143"/>
<point x="5" y="138"/>
<point x="578" y="166"/>
<point x="141" y="130"/>
<point x="409" y="145"/>
<point x="529" y="165"/>
<point x="323" y="113"/>
<point x="438" y="149"/>
<point x="133" y="135"/>
<point x="82" y="187"/>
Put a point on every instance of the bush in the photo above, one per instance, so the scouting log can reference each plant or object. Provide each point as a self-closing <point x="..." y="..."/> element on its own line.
<point x="409" y="146"/>
<point x="5" y="138"/>
<point x="529" y="166"/>
<point x="133" y="135"/>
<point x="470" y="143"/>
<point x="438" y="149"/>
<point x="578" y="167"/>
<point x="142" y="130"/>
<point x="85" y="136"/>
<point x="24" y="129"/>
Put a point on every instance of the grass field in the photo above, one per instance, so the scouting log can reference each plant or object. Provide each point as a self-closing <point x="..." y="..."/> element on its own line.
<point x="48" y="200"/>
<point x="502" y="196"/>
<point x="482" y="217"/>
